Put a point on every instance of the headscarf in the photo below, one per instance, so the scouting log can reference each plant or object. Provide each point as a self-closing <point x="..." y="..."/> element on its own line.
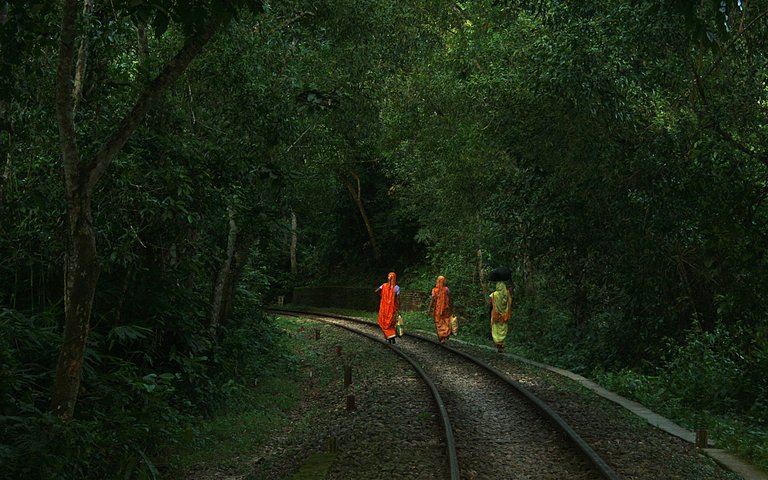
<point x="439" y="293"/>
<point x="388" y="294"/>
<point x="500" y="298"/>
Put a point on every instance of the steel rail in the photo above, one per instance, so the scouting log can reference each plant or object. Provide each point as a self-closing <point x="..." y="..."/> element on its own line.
<point x="453" y="458"/>
<point x="589" y="453"/>
<point x="594" y="458"/>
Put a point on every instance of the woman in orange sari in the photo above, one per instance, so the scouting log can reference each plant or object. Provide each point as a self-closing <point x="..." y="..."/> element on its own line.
<point x="388" y="306"/>
<point x="441" y="313"/>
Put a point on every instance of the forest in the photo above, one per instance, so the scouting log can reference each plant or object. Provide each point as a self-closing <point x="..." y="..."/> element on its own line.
<point x="170" y="167"/>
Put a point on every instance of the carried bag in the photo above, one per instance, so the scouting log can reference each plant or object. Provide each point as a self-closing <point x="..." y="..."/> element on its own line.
<point x="454" y="325"/>
<point x="400" y="326"/>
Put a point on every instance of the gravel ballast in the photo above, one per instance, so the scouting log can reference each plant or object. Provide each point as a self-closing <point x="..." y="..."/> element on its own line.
<point x="393" y="431"/>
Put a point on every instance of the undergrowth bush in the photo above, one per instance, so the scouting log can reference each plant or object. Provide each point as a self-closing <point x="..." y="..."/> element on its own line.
<point x="544" y="333"/>
<point x="134" y="406"/>
<point x="707" y="371"/>
<point x="705" y="382"/>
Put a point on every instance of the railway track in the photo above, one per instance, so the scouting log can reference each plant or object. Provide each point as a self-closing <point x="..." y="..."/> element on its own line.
<point x="492" y="427"/>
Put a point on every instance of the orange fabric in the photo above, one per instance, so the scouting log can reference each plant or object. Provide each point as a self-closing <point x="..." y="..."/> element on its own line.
<point x="388" y="306"/>
<point x="442" y="311"/>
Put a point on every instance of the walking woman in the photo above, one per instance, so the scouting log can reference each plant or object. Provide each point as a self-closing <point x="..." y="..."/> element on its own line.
<point x="501" y="303"/>
<point x="441" y="301"/>
<point x="388" y="307"/>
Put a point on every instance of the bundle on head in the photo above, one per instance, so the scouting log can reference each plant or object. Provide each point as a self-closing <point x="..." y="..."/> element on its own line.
<point x="500" y="274"/>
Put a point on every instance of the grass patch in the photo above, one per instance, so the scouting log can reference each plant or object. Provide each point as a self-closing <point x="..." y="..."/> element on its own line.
<point x="263" y="409"/>
<point x="731" y="432"/>
<point x="315" y="467"/>
<point x="225" y="437"/>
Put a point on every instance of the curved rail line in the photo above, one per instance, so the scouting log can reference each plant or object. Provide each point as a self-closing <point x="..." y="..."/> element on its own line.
<point x="605" y="470"/>
<point x="453" y="459"/>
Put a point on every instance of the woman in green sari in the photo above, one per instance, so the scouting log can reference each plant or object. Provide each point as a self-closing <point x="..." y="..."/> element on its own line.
<point x="501" y="304"/>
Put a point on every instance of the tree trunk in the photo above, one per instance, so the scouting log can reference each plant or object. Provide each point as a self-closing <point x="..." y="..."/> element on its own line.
<point x="238" y="248"/>
<point x="82" y="57"/>
<point x="5" y="148"/>
<point x="79" y="273"/>
<point x="80" y="276"/>
<point x="142" y="51"/>
<point x="224" y="274"/>
<point x="294" y="241"/>
<point x="356" y="192"/>
<point x="128" y="279"/>
<point x="82" y="265"/>
<point x="242" y="249"/>
<point x="530" y="283"/>
<point x="481" y="275"/>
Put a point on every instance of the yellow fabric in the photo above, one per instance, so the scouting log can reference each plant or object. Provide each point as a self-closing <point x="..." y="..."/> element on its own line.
<point x="500" y="297"/>
<point x="501" y="303"/>
<point x="499" y="332"/>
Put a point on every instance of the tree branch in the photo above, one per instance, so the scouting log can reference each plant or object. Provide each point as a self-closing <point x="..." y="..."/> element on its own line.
<point x="761" y="156"/>
<point x="149" y="97"/>
<point x="733" y="40"/>
<point x="82" y="57"/>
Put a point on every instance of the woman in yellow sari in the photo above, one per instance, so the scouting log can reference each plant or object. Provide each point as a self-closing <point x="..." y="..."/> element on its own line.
<point x="501" y="304"/>
<point x="441" y="313"/>
<point x="388" y="306"/>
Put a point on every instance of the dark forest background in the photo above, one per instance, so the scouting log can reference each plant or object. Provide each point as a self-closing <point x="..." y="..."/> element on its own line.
<point x="169" y="167"/>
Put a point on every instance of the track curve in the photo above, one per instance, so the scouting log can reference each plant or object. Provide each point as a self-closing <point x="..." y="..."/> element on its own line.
<point x="478" y="396"/>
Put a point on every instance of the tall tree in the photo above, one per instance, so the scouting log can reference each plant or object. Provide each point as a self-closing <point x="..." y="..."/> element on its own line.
<point x="82" y="175"/>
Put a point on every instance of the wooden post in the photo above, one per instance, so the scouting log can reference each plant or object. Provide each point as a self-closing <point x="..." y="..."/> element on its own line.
<point x="347" y="375"/>
<point x="350" y="402"/>
<point x="332" y="444"/>
<point x="701" y="439"/>
<point x="317" y="334"/>
<point x="338" y="350"/>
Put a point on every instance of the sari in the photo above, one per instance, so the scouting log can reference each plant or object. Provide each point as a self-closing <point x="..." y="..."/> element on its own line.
<point x="388" y="306"/>
<point x="442" y="309"/>
<point x="501" y="301"/>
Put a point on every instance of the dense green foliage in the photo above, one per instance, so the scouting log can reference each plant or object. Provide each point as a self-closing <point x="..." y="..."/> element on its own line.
<point x="616" y="158"/>
<point x="614" y="155"/>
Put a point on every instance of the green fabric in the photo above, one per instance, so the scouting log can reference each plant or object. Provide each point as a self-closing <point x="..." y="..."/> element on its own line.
<point x="500" y="298"/>
<point x="499" y="332"/>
